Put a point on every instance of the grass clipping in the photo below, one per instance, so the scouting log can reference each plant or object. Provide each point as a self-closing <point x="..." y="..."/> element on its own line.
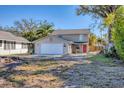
<point x="45" y="80"/>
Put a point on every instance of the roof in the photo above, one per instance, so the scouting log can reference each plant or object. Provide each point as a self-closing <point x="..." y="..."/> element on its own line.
<point x="4" y="35"/>
<point x="66" y="32"/>
<point x="71" y="31"/>
<point x="53" y="37"/>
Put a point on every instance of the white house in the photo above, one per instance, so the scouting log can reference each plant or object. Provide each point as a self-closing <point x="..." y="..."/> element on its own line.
<point x="62" y="42"/>
<point x="11" y="44"/>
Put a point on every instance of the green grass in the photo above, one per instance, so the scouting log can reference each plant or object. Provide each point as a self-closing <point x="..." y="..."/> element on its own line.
<point x="102" y="58"/>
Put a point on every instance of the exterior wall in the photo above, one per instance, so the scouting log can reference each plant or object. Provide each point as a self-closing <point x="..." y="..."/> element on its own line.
<point x="67" y="49"/>
<point x="18" y="50"/>
<point x="37" y="48"/>
<point x="76" y="38"/>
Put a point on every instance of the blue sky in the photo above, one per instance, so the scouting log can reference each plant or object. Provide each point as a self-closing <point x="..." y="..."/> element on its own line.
<point x="63" y="17"/>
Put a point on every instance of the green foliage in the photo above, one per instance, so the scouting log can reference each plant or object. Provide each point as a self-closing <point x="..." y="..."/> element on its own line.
<point x="100" y="12"/>
<point x="101" y="58"/>
<point x="31" y="35"/>
<point x="44" y="29"/>
<point x="111" y="52"/>
<point x="118" y="32"/>
<point x="109" y="19"/>
<point x="97" y="11"/>
<point x="92" y="39"/>
<point x="33" y="30"/>
<point x="96" y="43"/>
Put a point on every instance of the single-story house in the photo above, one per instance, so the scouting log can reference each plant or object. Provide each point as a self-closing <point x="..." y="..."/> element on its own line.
<point x="61" y="42"/>
<point x="11" y="44"/>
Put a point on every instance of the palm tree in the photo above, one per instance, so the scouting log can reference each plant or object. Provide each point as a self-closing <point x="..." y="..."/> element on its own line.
<point x="44" y="29"/>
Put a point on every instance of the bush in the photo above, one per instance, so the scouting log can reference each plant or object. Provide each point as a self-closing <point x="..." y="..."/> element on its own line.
<point x="118" y="32"/>
<point x="111" y="52"/>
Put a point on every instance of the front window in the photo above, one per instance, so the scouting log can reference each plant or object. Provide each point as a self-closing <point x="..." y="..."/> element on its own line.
<point x="9" y="45"/>
<point x="13" y="45"/>
<point x="24" y="45"/>
<point x="5" y="45"/>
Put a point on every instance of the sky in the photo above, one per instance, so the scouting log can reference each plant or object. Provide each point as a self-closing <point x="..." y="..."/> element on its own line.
<point x="63" y="17"/>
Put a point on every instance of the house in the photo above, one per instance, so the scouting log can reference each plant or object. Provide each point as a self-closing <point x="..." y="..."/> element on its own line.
<point x="61" y="42"/>
<point x="11" y="44"/>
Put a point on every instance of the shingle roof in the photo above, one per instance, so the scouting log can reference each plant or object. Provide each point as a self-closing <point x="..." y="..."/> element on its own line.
<point x="71" y="31"/>
<point x="4" y="35"/>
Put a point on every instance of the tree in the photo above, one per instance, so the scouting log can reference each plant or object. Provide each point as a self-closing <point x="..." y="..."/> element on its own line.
<point x="11" y="30"/>
<point x="101" y="43"/>
<point x="27" y="28"/>
<point x="92" y="42"/>
<point x="44" y="29"/>
<point x="98" y="11"/>
<point x="33" y="30"/>
<point x="26" y="25"/>
<point x="92" y="39"/>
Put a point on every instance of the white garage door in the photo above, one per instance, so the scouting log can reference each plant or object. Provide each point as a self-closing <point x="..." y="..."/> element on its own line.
<point x="51" y="49"/>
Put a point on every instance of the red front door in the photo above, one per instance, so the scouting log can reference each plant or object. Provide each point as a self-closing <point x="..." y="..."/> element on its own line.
<point x="84" y="48"/>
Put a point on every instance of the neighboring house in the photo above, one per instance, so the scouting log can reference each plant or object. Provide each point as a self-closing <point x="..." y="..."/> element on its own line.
<point x="62" y="42"/>
<point x="11" y="44"/>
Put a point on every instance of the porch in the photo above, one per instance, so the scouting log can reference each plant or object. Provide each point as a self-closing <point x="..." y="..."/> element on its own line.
<point x="79" y="48"/>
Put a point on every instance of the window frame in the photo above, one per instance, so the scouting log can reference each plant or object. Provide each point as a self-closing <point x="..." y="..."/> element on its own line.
<point x="9" y="45"/>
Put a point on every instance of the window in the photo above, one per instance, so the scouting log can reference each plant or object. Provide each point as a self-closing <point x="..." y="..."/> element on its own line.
<point x="13" y="45"/>
<point x="5" y="45"/>
<point x="0" y="43"/>
<point x="24" y="46"/>
<point x="77" y="47"/>
<point x="81" y="38"/>
<point x="9" y="45"/>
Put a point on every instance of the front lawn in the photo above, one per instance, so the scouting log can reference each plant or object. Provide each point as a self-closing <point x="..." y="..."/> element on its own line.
<point x="97" y="71"/>
<point x="103" y="59"/>
<point x="33" y="74"/>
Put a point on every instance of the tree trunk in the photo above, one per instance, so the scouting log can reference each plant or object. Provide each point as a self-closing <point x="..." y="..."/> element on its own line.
<point x="110" y="43"/>
<point x="109" y="34"/>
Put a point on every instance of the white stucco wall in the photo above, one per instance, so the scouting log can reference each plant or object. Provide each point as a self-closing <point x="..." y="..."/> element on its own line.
<point x="18" y="50"/>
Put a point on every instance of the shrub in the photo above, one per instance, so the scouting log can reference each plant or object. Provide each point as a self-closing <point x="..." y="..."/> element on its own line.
<point x="118" y="32"/>
<point x="111" y="52"/>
